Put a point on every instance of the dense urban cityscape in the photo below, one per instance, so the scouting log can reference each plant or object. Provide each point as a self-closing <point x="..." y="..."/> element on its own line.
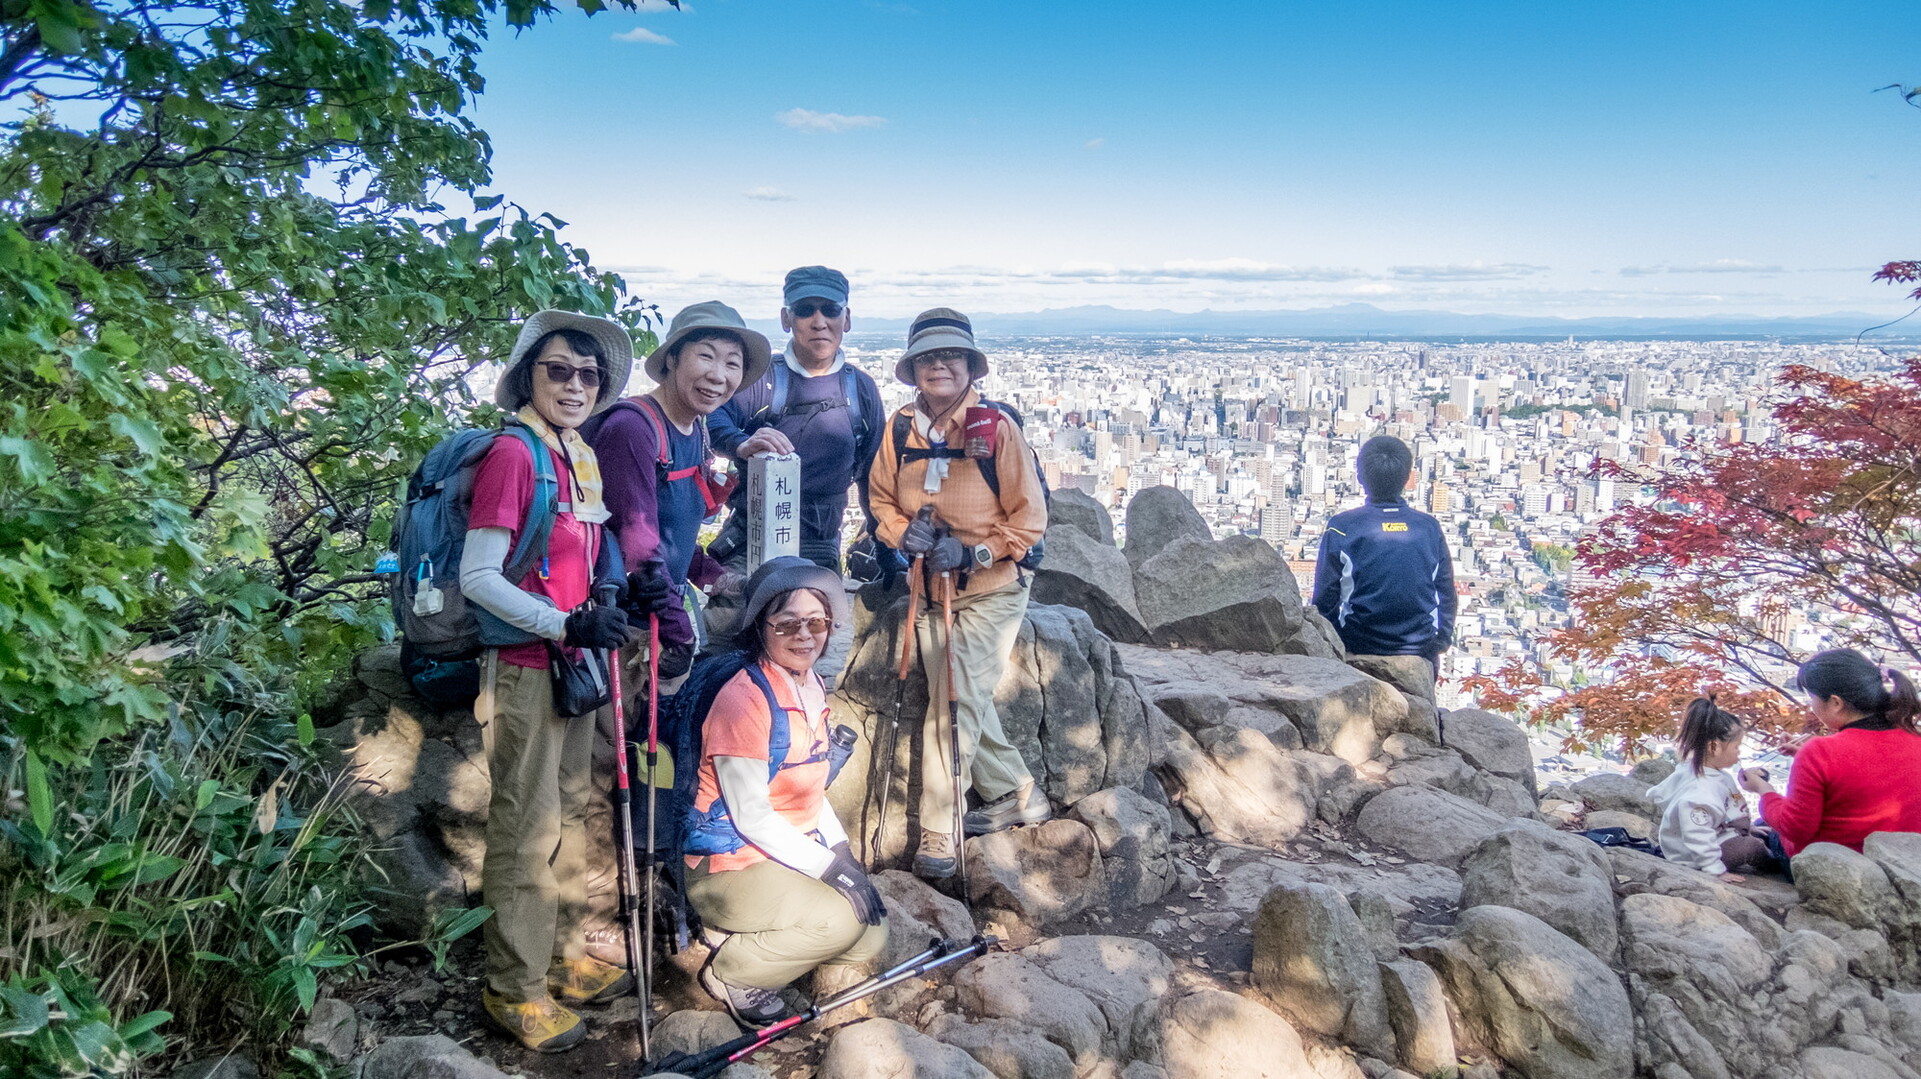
<point x="1262" y="434"/>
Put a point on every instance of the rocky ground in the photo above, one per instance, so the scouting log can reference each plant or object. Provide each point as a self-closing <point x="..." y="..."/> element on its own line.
<point x="1267" y="864"/>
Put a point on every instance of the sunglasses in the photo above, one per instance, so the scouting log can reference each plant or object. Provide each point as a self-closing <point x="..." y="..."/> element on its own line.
<point x="806" y="308"/>
<point x="788" y="627"/>
<point x="562" y="373"/>
<point x="942" y="359"/>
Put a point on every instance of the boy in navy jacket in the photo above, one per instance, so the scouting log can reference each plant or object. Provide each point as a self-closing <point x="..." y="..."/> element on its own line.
<point x="1384" y="577"/>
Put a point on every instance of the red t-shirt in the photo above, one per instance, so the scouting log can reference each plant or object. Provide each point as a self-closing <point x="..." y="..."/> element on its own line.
<point x="503" y="493"/>
<point x="738" y="725"/>
<point x="1847" y="786"/>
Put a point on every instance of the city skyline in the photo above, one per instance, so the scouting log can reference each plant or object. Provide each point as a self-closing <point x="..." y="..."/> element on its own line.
<point x="1712" y="160"/>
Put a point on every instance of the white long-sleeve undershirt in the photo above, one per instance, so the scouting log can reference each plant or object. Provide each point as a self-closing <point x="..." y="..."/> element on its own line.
<point x="743" y="783"/>
<point x="483" y="582"/>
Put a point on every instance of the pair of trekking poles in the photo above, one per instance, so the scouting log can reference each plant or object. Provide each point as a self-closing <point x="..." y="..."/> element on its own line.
<point x="908" y="646"/>
<point x="640" y="938"/>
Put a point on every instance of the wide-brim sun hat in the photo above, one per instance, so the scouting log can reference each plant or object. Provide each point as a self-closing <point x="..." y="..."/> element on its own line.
<point x="936" y="329"/>
<point x="712" y="315"/>
<point x="616" y="347"/>
<point x="784" y="574"/>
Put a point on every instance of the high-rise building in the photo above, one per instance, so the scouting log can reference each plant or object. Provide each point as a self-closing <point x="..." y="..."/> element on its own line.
<point x="1461" y="395"/>
<point x="1636" y="394"/>
<point x="1440" y="498"/>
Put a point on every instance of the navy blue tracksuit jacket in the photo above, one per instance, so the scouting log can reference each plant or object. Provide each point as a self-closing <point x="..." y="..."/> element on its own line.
<point x="1386" y="582"/>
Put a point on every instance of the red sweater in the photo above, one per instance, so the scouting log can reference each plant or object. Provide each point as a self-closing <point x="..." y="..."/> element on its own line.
<point x="1847" y="786"/>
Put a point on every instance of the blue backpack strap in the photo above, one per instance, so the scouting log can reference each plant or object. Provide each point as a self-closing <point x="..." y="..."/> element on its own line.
<point x="850" y="389"/>
<point x="783" y="385"/>
<point x="541" y="509"/>
<point x="778" y="736"/>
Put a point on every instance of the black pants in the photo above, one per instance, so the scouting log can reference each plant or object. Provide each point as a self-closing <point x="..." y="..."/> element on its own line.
<point x="819" y="534"/>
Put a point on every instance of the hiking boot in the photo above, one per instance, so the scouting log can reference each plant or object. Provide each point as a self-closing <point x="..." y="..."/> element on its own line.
<point x="608" y="943"/>
<point x="1023" y="805"/>
<point x="751" y="1008"/>
<point x="587" y="981"/>
<point x="540" y="1025"/>
<point x="934" y="859"/>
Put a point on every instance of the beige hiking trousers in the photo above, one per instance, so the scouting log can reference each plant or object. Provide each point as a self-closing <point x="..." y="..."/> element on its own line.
<point x="783" y="924"/>
<point x="985" y="628"/>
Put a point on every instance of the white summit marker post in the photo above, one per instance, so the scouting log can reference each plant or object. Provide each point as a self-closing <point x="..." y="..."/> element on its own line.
<point x="773" y="507"/>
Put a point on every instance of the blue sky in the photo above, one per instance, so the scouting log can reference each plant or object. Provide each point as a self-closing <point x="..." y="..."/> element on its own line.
<point x="1625" y="158"/>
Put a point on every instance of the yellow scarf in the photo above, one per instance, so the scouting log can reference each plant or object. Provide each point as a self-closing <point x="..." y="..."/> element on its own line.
<point x="588" y="506"/>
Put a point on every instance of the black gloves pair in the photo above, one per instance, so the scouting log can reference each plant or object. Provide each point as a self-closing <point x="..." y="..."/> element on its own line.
<point x="599" y="628"/>
<point x="846" y="876"/>
<point x="924" y="537"/>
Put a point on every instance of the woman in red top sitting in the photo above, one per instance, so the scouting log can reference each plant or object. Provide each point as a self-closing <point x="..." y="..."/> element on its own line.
<point x="1863" y="778"/>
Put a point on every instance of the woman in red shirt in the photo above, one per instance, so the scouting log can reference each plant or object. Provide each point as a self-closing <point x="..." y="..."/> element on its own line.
<point x="1863" y="778"/>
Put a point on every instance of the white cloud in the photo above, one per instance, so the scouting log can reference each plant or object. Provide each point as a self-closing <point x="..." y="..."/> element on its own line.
<point x="769" y="194"/>
<point x="643" y="36"/>
<point x="1715" y="266"/>
<point x="1093" y="144"/>
<point x="1467" y="271"/>
<point x="809" y="120"/>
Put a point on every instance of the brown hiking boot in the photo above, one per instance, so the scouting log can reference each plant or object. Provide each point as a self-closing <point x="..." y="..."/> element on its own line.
<point x="587" y="980"/>
<point x="607" y="942"/>
<point x="540" y="1025"/>
<point x="934" y="859"/>
<point x="1023" y="805"/>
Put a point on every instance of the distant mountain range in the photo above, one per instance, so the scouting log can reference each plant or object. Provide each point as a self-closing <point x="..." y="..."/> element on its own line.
<point x="1366" y="320"/>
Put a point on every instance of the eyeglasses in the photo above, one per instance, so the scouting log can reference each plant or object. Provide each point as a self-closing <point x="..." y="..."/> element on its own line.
<point x="806" y="308"/>
<point x="942" y="359"/>
<point x="788" y="627"/>
<point x="563" y="373"/>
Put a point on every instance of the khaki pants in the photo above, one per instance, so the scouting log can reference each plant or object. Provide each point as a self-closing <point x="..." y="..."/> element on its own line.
<point x="985" y="627"/>
<point x="535" y="871"/>
<point x="783" y="924"/>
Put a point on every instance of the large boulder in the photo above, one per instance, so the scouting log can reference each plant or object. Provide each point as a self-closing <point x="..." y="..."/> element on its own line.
<point x="1695" y="974"/>
<point x="1427" y="824"/>
<point x="884" y="1049"/>
<point x="1238" y="786"/>
<point x="1076" y="509"/>
<point x="1538" y="1000"/>
<point x="1313" y="958"/>
<point x="1005" y="1047"/>
<point x="1156" y="517"/>
<point x="1132" y="831"/>
<point x="1612" y="790"/>
<point x="1004" y="986"/>
<point x="1041" y="874"/>
<point x="1845" y="885"/>
<point x="1635" y="873"/>
<point x="1211" y="1034"/>
<point x="1198" y="706"/>
<point x="1417" y="1010"/>
<point x="1412" y="675"/>
<point x="1124" y="978"/>
<point x="1492" y="743"/>
<point x="1080" y="571"/>
<point x="1408" y="890"/>
<point x="1235" y="594"/>
<point x="1560" y="878"/>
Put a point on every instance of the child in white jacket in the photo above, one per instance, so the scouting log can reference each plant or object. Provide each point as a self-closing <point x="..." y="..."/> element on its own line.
<point x="1704" y="816"/>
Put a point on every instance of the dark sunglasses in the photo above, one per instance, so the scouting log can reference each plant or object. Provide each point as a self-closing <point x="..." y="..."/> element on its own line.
<point x="787" y="627"/>
<point x="563" y="373"/>
<point x="806" y="308"/>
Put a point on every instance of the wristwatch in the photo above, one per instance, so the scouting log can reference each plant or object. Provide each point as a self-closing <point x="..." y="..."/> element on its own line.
<point x="983" y="557"/>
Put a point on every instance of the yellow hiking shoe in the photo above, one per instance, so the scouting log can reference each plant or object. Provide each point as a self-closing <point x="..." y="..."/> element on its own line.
<point x="540" y="1025"/>
<point x="587" y="980"/>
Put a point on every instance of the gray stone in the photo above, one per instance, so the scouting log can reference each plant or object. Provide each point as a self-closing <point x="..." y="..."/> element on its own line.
<point x="1540" y="1001"/>
<point x="1417" y="1010"/>
<point x="1491" y="743"/>
<point x="1635" y="872"/>
<point x="429" y="1056"/>
<point x="1845" y="885"/>
<point x="1669" y="940"/>
<point x="1312" y="957"/>
<point x="1652" y="771"/>
<point x="1827" y="1062"/>
<point x="1427" y="824"/>
<point x="332" y="1029"/>
<point x="884" y="1049"/>
<point x="1003" y="986"/>
<point x="1376" y="912"/>
<point x="1238" y="787"/>
<point x="1560" y="878"/>
<point x="1040" y="874"/>
<point x="1611" y="790"/>
<point x="1634" y="824"/>
<point x="1076" y="509"/>
<point x="1132" y="833"/>
<point x="1199" y="706"/>
<point x="1406" y="888"/>
<point x="1125" y="978"/>
<point x="1211" y="1034"/>
<point x="1316" y="637"/>
<point x="380" y="670"/>
<point x="1156" y="517"/>
<point x="1004" y="1047"/>
<point x="690" y="1031"/>
<point x="230" y="1066"/>
<point x="1235" y="594"/>
<point x="1412" y="675"/>
<point x="1080" y="571"/>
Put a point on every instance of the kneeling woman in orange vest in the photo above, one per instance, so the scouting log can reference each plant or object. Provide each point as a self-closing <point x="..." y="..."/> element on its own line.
<point x="768" y="862"/>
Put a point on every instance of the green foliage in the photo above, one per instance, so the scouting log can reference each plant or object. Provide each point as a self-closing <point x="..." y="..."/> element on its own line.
<point x="1524" y="412"/>
<point x="248" y="265"/>
<point x="1553" y="557"/>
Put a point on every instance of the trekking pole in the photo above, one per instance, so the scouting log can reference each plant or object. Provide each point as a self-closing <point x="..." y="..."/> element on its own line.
<point x="624" y="836"/>
<point x="907" y="642"/>
<point x="953" y="732"/>
<point x="711" y="1062"/>
<point x="653" y="791"/>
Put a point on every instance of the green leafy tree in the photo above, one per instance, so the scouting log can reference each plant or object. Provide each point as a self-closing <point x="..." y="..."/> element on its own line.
<point x="249" y="260"/>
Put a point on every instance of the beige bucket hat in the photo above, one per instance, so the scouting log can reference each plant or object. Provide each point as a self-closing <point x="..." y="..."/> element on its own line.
<point x="616" y="347"/>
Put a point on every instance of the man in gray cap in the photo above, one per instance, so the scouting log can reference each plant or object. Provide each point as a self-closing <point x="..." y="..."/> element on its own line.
<point x="813" y="403"/>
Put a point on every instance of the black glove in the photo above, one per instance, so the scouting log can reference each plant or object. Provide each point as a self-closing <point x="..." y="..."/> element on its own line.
<point x="920" y="535"/>
<point x="845" y="876"/>
<point x="948" y="554"/>
<point x="597" y="628"/>
<point x="675" y="660"/>
<point x="648" y="591"/>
